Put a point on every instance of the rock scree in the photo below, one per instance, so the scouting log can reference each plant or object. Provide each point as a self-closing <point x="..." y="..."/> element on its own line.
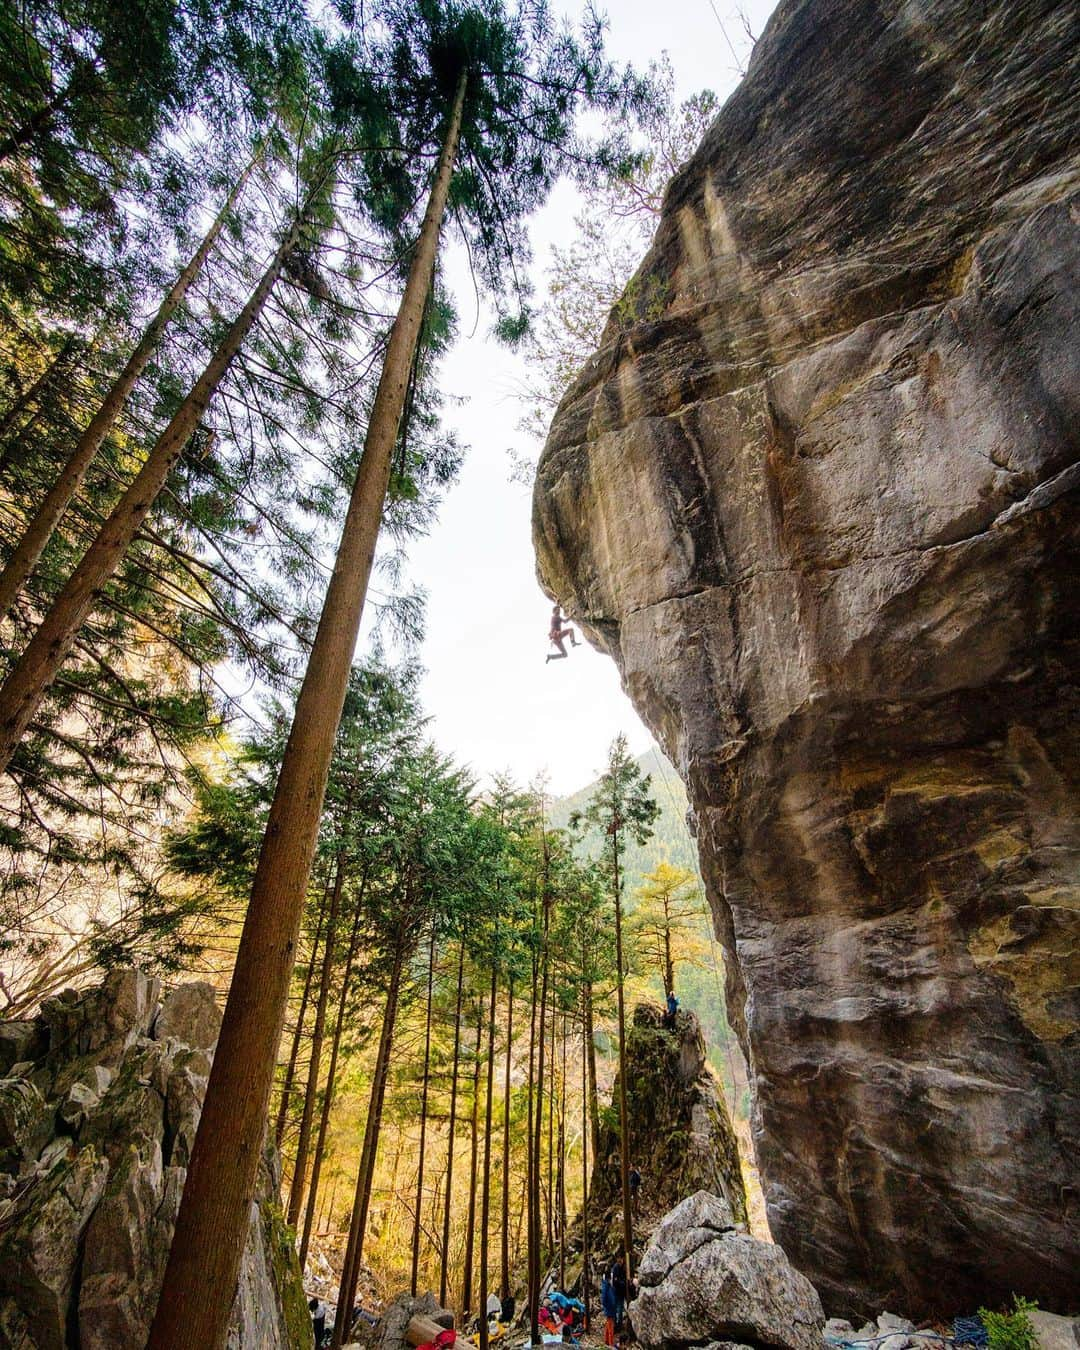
<point x="99" y="1103"/>
<point x="818" y="501"/>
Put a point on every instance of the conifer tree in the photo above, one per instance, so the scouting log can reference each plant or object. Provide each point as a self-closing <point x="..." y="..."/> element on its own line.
<point x="621" y="806"/>
<point x="502" y="88"/>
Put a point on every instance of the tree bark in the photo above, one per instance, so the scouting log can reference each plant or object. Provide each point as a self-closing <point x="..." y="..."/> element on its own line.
<point x="298" y="1034"/>
<point x="303" y="1142"/>
<point x="561" y="1188"/>
<point x="532" y="1200"/>
<point x="40" y="527"/>
<point x="594" y="1098"/>
<point x="549" y="1191"/>
<point x="534" y="1291"/>
<point x="470" y="1222"/>
<point x="366" y="1172"/>
<point x="423" y="1119"/>
<point x="669" y="962"/>
<point x="585" y="1255"/>
<point x="504" y="1276"/>
<point x="205" y="1256"/>
<point x="485" y="1185"/>
<point x="624" y="1114"/>
<point x="444" y="1275"/>
<point x="37" y="667"/>
<point x="331" y="1077"/>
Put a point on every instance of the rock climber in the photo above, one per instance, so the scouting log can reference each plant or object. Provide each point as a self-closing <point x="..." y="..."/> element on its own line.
<point x="672" y="1009"/>
<point x="558" y="634"/>
<point x="635" y="1188"/>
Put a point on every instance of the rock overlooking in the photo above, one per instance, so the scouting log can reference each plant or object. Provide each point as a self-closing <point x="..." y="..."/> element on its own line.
<point x="99" y="1102"/>
<point x="822" y="511"/>
<point x="680" y="1133"/>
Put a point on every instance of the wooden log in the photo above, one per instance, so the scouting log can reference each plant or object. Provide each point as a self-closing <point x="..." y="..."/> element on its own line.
<point x="421" y="1330"/>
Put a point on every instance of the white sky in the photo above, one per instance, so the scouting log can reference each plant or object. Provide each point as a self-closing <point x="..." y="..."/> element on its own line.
<point x="495" y="704"/>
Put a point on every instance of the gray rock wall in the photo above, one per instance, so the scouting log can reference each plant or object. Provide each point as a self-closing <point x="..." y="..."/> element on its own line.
<point x="822" y="512"/>
<point x="99" y="1102"/>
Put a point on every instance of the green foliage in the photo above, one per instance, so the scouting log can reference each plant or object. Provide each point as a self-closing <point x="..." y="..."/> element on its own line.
<point x="1011" y="1330"/>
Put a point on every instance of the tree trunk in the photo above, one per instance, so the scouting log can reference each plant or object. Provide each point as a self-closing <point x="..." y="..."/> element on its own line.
<point x="31" y="396"/>
<point x="303" y="1143"/>
<point x="423" y="1119"/>
<point x="40" y="527"/>
<point x="37" y="667"/>
<point x="585" y="1282"/>
<point x="37" y="122"/>
<point x="203" y="1263"/>
<point x="669" y="961"/>
<point x="470" y="1222"/>
<point x="447" y="1198"/>
<point x="594" y="1099"/>
<point x="549" y="1193"/>
<point x="485" y="1185"/>
<point x="624" y="1114"/>
<point x="298" y="1034"/>
<point x="532" y="1200"/>
<point x="366" y="1173"/>
<point x="504" y="1275"/>
<point x="534" y="1298"/>
<point x="331" y="1076"/>
<point x="561" y="1189"/>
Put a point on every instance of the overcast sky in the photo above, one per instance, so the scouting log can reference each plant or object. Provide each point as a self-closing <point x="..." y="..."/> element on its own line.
<point x="495" y="705"/>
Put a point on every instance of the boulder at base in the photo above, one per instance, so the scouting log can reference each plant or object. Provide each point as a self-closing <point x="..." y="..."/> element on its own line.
<point x="702" y="1282"/>
<point x="99" y="1127"/>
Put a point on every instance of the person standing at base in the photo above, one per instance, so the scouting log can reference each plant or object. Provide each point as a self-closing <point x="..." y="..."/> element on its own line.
<point x="610" y="1307"/>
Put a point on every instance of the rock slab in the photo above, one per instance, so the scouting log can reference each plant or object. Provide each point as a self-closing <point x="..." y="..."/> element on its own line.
<point x="818" y="499"/>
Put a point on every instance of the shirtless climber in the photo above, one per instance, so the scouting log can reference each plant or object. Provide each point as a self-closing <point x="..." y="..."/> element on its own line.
<point x="558" y="634"/>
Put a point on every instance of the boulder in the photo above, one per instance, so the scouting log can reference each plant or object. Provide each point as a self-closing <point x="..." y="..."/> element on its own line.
<point x="19" y="1042"/>
<point x="190" y="1014"/>
<point x="388" y="1333"/>
<point x="1054" y="1332"/>
<point x="85" y="1227"/>
<point x="701" y="1283"/>
<point x="25" y="1123"/>
<point x="697" y="1220"/>
<point x="40" y="1244"/>
<point x="816" y="494"/>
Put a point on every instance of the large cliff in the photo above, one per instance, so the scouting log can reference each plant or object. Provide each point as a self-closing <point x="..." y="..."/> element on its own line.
<point x="821" y="510"/>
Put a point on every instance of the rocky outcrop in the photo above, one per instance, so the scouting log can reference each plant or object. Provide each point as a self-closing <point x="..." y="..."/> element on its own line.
<point x="702" y="1283"/>
<point x="98" y="1109"/>
<point x="680" y="1134"/>
<point x="818" y="500"/>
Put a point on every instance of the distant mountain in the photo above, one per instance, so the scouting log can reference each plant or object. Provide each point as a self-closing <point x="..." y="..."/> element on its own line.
<point x="671" y="842"/>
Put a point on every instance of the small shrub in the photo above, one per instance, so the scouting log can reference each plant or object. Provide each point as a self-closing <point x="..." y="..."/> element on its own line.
<point x="1011" y="1330"/>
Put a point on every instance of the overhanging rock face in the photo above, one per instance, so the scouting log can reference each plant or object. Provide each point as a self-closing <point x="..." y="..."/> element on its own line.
<point x="823" y="514"/>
